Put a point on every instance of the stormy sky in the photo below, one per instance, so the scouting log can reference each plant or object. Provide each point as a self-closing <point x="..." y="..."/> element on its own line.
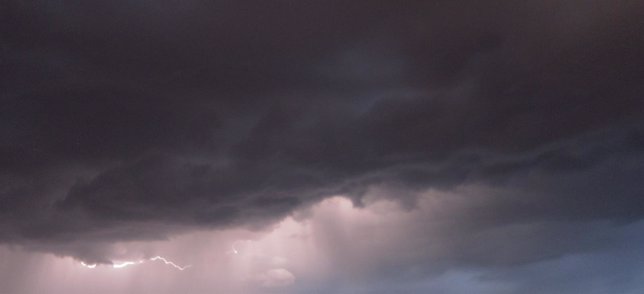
<point x="321" y="146"/>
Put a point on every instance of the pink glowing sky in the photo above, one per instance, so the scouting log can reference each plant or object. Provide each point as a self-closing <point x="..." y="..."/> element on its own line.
<point x="331" y="247"/>
<point x="332" y="240"/>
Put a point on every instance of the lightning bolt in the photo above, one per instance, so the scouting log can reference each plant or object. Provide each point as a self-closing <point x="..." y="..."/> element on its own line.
<point x="129" y="263"/>
<point x="233" y="249"/>
<point x="170" y="263"/>
<point x="88" y="265"/>
<point x="126" y="264"/>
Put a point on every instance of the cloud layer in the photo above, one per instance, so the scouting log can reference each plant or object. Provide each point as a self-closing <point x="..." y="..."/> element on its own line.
<point x="137" y="120"/>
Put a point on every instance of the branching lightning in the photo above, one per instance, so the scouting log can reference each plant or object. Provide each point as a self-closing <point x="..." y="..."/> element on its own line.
<point x="170" y="263"/>
<point x="129" y="263"/>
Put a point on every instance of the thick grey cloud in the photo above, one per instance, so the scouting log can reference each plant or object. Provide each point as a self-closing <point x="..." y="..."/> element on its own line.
<point x="136" y="120"/>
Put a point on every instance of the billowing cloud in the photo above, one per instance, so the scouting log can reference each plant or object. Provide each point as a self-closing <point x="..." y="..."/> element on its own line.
<point x="138" y="121"/>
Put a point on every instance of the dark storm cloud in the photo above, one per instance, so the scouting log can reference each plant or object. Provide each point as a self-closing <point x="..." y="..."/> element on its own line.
<point x="132" y="119"/>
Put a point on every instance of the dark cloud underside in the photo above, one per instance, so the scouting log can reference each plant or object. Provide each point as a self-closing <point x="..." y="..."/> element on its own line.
<point x="127" y="120"/>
